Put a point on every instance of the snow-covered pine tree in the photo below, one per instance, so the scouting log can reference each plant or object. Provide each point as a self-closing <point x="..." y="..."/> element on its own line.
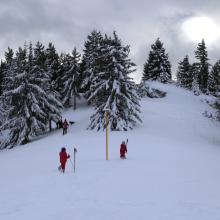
<point x="2" y="66"/>
<point x="38" y="60"/>
<point x="195" y="74"/>
<point x="8" y="72"/>
<point x="29" y="106"/>
<point x="146" y="75"/>
<point x="158" y="66"/>
<point x="113" y="88"/>
<point x="2" y="69"/>
<point x="40" y="72"/>
<point x="212" y="86"/>
<point x="71" y="78"/>
<point x="202" y="55"/>
<point x="216" y="74"/>
<point x="214" y="79"/>
<point x="90" y="60"/>
<point x="8" y="57"/>
<point x="184" y="74"/>
<point x="53" y="69"/>
<point x="18" y="112"/>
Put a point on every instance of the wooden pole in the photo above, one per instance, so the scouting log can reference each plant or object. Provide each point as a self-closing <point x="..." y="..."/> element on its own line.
<point x="74" y="162"/>
<point x="106" y="128"/>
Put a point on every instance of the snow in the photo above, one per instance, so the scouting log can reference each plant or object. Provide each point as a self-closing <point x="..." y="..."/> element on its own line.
<point x="171" y="172"/>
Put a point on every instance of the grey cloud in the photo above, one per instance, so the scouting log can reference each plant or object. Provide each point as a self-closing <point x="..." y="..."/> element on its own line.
<point x="138" y="22"/>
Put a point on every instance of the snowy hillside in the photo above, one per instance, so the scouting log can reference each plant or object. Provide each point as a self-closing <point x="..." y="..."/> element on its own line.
<point x="172" y="171"/>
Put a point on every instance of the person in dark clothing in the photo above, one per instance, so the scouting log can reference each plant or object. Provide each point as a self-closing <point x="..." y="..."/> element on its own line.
<point x="57" y="124"/>
<point x="60" y="123"/>
<point x="123" y="150"/>
<point x="63" y="159"/>
<point x="65" y="126"/>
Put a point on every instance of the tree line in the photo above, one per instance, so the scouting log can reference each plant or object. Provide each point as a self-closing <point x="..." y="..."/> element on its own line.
<point x="36" y="83"/>
<point x="200" y="76"/>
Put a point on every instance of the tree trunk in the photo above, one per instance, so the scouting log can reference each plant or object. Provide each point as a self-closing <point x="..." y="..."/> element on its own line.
<point x="74" y="102"/>
<point x="50" y="125"/>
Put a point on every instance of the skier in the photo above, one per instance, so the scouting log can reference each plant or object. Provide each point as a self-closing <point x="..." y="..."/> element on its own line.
<point x="65" y="126"/>
<point x="63" y="159"/>
<point x="123" y="150"/>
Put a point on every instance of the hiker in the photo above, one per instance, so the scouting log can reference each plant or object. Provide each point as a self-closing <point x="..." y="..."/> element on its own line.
<point x="123" y="150"/>
<point x="63" y="159"/>
<point x="65" y="126"/>
<point x="59" y="124"/>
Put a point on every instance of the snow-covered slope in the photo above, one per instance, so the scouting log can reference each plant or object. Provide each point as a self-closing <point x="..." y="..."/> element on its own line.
<point x="172" y="169"/>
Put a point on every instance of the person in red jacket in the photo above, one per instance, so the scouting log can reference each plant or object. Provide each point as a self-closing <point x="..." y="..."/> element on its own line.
<point x="65" y="126"/>
<point x="63" y="159"/>
<point x="123" y="150"/>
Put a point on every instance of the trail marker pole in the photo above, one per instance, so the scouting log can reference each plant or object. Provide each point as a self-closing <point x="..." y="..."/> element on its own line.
<point x="74" y="166"/>
<point x="106" y="129"/>
<point x="106" y="115"/>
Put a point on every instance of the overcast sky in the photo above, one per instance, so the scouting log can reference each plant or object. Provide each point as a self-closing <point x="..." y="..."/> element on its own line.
<point x="138" y="23"/>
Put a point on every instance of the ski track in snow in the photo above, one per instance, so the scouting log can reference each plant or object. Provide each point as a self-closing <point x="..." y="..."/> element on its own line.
<point x="172" y="169"/>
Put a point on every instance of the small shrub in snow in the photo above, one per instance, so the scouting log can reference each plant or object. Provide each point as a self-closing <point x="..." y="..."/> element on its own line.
<point x="145" y="90"/>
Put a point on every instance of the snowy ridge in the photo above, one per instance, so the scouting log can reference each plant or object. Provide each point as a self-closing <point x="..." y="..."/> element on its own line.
<point x="171" y="172"/>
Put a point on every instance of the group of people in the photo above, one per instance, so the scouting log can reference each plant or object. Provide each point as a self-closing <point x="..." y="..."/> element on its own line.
<point x="64" y="156"/>
<point x="63" y="124"/>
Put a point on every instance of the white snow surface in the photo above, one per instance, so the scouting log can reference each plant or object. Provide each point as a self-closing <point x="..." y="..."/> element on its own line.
<point x="172" y="170"/>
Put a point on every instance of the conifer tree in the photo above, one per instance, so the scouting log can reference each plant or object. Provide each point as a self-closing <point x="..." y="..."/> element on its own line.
<point x="2" y="67"/>
<point x="39" y="64"/>
<point x="113" y="88"/>
<point x="29" y="103"/>
<point x="214" y="79"/>
<point x="184" y="74"/>
<point x="216" y="74"/>
<point x="9" y="56"/>
<point x="8" y="73"/>
<point x="90" y="60"/>
<point x="195" y="74"/>
<point x="203" y="66"/>
<point x="43" y="78"/>
<point x="53" y="68"/>
<point x="158" y="66"/>
<point x="71" y="78"/>
<point x="8" y="70"/>
<point x="212" y="85"/>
